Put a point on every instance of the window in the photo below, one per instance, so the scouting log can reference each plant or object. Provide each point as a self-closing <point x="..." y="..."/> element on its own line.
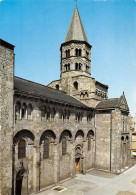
<point x="17" y="110"/>
<point x="87" y="54"/>
<point x="75" y="85"/>
<point x="78" y="52"/>
<point x="86" y="94"/>
<point x="78" y="66"/>
<point x="89" y="142"/>
<point x="48" y="113"/>
<point x="123" y="125"/>
<point x="64" y="145"/>
<point x="67" y="67"/>
<point x="21" y="149"/>
<point x="87" y="68"/>
<point x="24" y="111"/>
<point x="29" y="111"/>
<point x="43" y="113"/>
<point x="53" y="112"/>
<point x="57" y="87"/>
<point x="68" y="114"/>
<point x="67" y="53"/>
<point x="89" y="116"/>
<point x="122" y="138"/>
<point x="46" y="148"/>
<point x="78" y="117"/>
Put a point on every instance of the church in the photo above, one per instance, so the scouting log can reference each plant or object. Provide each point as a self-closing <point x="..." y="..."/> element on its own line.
<point x="48" y="134"/>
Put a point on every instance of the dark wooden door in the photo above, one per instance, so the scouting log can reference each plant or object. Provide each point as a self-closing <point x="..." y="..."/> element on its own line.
<point x="77" y="165"/>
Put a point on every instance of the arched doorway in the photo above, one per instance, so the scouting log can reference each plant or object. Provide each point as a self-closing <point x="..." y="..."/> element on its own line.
<point x="19" y="180"/>
<point x="22" y="143"/>
<point x="19" y="185"/>
<point x="78" y="160"/>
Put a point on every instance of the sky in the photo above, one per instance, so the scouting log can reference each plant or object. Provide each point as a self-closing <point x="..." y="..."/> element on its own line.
<point x="38" y="27"/>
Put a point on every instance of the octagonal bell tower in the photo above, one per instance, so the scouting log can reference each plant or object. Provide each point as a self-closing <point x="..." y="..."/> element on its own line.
<point x="75" y="77"/>
<point x="75" y="51"/>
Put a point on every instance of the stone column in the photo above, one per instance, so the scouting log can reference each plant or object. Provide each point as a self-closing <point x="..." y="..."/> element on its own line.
<point x="84" y="156"/>
<point x="56" y="163"/>
<point x="72" y="159"/>
<point x="36" y="168"/>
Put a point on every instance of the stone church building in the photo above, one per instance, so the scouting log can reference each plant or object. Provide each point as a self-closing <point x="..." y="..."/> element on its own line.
<point x="50" y="133"/>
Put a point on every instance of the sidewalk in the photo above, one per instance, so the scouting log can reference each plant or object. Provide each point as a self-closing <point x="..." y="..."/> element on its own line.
<point x="98" y="183"/>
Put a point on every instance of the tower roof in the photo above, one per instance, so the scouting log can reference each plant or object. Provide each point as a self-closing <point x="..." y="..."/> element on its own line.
<point x="76" y="30"/>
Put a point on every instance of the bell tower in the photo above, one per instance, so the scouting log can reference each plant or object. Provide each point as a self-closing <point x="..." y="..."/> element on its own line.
<point x="75" y="51"/>
<point x="75" y="77"/>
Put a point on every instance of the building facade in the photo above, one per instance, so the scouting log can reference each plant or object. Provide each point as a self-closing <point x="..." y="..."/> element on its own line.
<point x="50" y="133"/>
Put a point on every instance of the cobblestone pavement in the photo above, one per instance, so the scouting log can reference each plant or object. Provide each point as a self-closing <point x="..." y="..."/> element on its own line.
<point x="98" y="183"/>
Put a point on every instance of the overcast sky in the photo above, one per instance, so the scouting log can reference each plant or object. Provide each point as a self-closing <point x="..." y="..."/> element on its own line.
<point x="38" y="27"/>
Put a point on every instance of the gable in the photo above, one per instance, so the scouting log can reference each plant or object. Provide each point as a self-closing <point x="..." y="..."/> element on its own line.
<point x="123" y="103"/>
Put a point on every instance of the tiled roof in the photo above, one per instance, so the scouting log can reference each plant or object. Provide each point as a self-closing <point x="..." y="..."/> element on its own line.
<point x="42" y="91"/>
<point x="76" y="30"/>
<point x="120" y="103"/>
<point x="109" y="103"/>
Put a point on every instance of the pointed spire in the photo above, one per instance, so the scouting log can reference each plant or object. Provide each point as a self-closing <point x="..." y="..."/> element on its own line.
<point x="76" y="30"/>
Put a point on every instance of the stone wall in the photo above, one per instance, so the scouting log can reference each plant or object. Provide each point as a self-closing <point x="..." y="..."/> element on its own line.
<point x="112" y="140"/>
<point x="103" y="126"/>
<point x="57" y="167"/>
<point x="6" y="116"/>
<point x="120" y="154"/>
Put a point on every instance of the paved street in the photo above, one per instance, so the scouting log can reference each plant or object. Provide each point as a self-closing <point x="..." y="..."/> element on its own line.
<point x="98" y="183"/>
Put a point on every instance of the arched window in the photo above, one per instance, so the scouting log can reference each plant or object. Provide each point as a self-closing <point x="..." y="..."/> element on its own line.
<point x="86" y="94"/>
<point x="22" y="149"/>
<point x="123" y="125"/>
<point x="24" y="113"/>
<point x="61" y="114"/>
<point x="87" y="54"/>
<point x="89" y="116"/>
<point x="90" y="136"/>
<point x="57" y="87"/>
<point x="68" y="114"/>
<point x="46" y="148"/>
<point x="43" y="113"/>
<point x="78" y="66"/>
<point x="89" y="142"/>
<point x="53" y="113"/>
<point x="64" y="115"/>
<point x="64" y="145"/>
<point x="122" y="138"/>
<point x="78" y="117"/>
<point x="29" y="112"/>
<point x="67" y="53"/>
<point x="17" y="110"/>
<point x="75" y="85"/>
<point x="67" y="67"/>
<point x="78" y="52"/>
<point x="48" y="113"/>
<point x="87" y="68"/>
